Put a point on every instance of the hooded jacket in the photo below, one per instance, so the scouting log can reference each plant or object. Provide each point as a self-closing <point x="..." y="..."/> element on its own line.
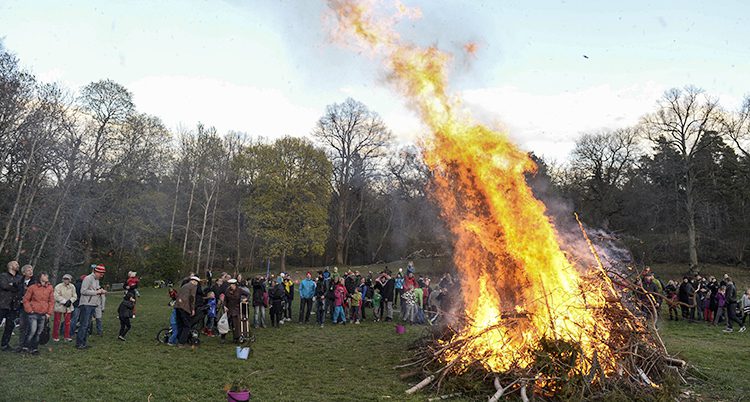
<point x="89" y="287"/>
<point x="39" y="299"/>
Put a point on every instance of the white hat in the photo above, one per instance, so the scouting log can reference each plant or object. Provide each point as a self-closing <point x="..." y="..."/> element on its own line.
<point x="231" y="281"/>
<point x="68" y="276"/>
<point x="195" y="278"/>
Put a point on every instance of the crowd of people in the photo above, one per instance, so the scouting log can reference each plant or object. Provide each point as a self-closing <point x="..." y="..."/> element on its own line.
<point x="340" y="298"/>
<point x="698" y="298"/>
<point x="220" y="305"/>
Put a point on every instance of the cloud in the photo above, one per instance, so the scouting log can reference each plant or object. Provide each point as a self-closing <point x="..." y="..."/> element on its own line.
<point x="549" y="123"/>
<point x="185" y="101"/>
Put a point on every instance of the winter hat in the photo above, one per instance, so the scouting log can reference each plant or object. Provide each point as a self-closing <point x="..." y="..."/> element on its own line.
<point x="68" y="277"/>
<point x="100" y="269"/>
<point x="231" y="281"/>
<point x="195" y="278"/>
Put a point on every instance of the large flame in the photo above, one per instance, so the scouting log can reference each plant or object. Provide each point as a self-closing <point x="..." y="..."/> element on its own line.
<point x="507" y="251"/>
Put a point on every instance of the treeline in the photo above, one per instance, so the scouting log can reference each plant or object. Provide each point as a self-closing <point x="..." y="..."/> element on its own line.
<point x="85" y="177"/>
<point x="676" y="186"/>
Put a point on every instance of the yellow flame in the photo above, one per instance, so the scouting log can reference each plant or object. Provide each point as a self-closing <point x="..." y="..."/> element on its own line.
<point x="506" y="249"/>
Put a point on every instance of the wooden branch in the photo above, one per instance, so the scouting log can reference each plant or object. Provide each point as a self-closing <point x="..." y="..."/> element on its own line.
<point x="420" y="385"/>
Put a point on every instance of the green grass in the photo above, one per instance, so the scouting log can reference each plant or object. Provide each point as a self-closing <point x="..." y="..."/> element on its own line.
<point x="293" y="363"/>
<point x="301" y="362"/>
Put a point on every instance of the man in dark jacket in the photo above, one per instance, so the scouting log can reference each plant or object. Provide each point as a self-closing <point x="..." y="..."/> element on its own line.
<point x="731" y="296"/>
<point x="686" y="294"/>
<point x="76" y="311"/>
<point x="10" y="282"/>
<point x="389" y="288"/>
<point x="185" y="308"/>
<point x="277" y="294"/>
<point x="259" y="301"/>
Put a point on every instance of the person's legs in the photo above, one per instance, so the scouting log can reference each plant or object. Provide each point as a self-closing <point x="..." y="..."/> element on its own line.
<point x="732" y="316"/>
<point x="74" y="317"/>
<point x="301" y="309"/>
<point x="338" y="313"/>
<point x="10" y="316"/>
<point x="719" y="315"/>
<point x="183" y="321"/>
<point x="56" y="326"/>
<point x="256" y="316"/>
<point x="320" y="312"/>
<point x="175" y="328"/>
<point x="262" y="316"/>
<point x="85" y="321"/>
<point x="23" y="321"/>
<point x="66" y="328"/>
<point x="237" y="328"/>
<point x="389" y="310"/>
<point x="99" y="326"/>
<point x="124" y="326"/>
<point x="35" y="325"/>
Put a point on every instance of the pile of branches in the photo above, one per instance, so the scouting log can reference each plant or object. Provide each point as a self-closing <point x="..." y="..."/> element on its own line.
<point x="644" y="371"/>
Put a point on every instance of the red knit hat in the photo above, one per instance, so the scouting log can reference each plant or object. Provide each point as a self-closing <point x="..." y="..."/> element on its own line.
<point x="100" y="269"/>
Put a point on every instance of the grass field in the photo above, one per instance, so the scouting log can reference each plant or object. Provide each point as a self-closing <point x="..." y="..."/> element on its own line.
<point x="295" y="362"/>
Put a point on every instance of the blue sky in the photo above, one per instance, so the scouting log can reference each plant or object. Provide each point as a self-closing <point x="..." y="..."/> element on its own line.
<point x="269" y="68"/>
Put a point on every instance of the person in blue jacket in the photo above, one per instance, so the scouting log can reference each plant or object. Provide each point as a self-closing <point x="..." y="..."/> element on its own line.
<point x="399" y="288"/>
<point x="306" y="293"/>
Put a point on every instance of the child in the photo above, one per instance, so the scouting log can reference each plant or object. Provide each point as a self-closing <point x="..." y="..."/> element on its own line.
<point x="376" y="304"/>
<point x="172" y="297"/>
<point x="356" y="301"/>
<point x="125" y="311"/>
<point x="339" y="296"/>
<point x="211" y="321"/>
<point x="671" y="290"/>
<point x="745" y="308"/>
<point x="721" y="299"/>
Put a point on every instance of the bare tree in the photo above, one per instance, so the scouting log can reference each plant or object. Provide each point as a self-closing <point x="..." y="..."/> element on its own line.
<point x="736" y="126"/>
<point x="356" y="139"/>
<point x="684" y="117"/>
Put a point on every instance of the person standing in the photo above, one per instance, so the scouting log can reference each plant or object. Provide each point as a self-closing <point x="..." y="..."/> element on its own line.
<point x="388" y="295"/>
<point x="65" y="296"/>
<point x="185" y="308"/>
<point x="289" y="292"/>
<point x="259" y="302"/>
<point x="399" y="288"/>
<point x="10" y="283"/>
<point x="76" y="308"/>
<point x="306" y="294"/>
<point x="232" y="298"/>
<point x="27" y="272"/>
<point x="38" y="302"/>
<point x="277" y="294"/>
<point x="339" y="296"/>
<point x="320" y="300"/>
<point x="91" y="298"/>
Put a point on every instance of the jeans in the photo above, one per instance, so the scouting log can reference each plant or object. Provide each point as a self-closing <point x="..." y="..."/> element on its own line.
<point x="56" y="326"/>
<point x="320" y="313"/>
<point x="23" y="325"/>
<point x="85" y="318"/>
<point x="34" y="327"/>
<point x="175" y="327"/>
<point x="124" y="326"/>
<point x="338" y="311"/>
<point x="305" y="308"/>
<point x="355" y="313"/>
<point x="10" y="316"/>
<point x="74" y="320"/>
<point x="259" y="319"/>
<point x="288" y="309"/>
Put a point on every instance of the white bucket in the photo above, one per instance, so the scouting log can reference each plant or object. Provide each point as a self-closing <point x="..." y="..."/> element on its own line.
<point x="242" y="353"/>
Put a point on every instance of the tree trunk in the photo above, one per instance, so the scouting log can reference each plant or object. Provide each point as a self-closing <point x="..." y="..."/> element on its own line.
<point x="21" y="228"/>
<point x="237" y="261"/>
<point x="209" y="256"/>
<point x="283" y="261"/>
<point x="340" y="230"/>
<point x="187" y="224"/>
<point x="21" y="185"/>
<point x="174" y="208"/>
<point x="209" y="197"/>
<point x="690" y="209"/>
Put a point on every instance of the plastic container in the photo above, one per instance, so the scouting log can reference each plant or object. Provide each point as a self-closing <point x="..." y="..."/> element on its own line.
<point x="400" y="329"/>
<point x="238" y="396"/>
<point x="242" y="353"/>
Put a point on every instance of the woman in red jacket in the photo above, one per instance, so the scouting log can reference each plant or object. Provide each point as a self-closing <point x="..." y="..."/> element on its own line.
<point x="39" y="303"/>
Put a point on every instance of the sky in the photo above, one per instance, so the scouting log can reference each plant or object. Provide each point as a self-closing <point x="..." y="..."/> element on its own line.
<point x="544" y="71"/>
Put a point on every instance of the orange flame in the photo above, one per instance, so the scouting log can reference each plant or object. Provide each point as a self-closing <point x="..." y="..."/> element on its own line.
<point x="506" y="249"/>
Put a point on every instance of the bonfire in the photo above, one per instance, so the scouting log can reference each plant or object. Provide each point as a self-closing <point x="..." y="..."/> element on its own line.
<point x="535" y="319"/>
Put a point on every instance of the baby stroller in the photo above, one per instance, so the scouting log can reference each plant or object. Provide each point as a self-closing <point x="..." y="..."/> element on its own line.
<point x="245" y="334"/>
